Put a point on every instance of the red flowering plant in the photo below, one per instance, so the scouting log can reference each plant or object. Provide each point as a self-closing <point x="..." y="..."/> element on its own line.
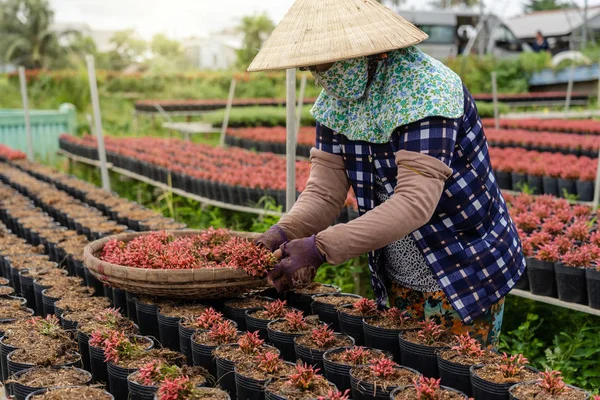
<point x="548" y="253"/>
<point x="527" y="221"/>
<point x="579" y="231"/>
<point x="296" y="321"/>
<point x="336" y="395"/>
<point x="208" y="318"/>
<point x="427" y="388"/>
<point x="156" y="371"/>
<point x="383" y="368"/>
<point x="250" y="343"/>
<point x="223" y="332"/>
<point x="275" y="309"/>
<point x="322" y="336"/>
<point x="365" y="307"/>
<point x="552" y="383"/>
<point x="538" y="239"/>
<point x="467" y="346"/>
<point x="213" y="248"/>
<point x="179" y="388"/>
<point x="269" y="363"/>
<point x="430" y="332"/>
<point x="553" y="226"/>
<point x="116" y="345"/>
<point x="580" y="256"/>
<point x="511" y="366"/>
<point x="305" y="377"/>
<point x="49" y="326"/>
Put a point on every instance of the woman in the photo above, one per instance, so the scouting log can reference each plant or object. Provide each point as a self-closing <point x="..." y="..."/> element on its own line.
<point x="400" y="129"/>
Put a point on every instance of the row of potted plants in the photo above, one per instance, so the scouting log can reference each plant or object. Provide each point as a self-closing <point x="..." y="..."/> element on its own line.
<point x="9" y="154"/>
<point x="123" y="211"/>
<point x="562" y="246"/>
<point x="222" y="330"/>
<point x="582" y="126"/>
<point x="544" y="173"/>
<point x="231" y="175"/>
<point x="271" y="140"/>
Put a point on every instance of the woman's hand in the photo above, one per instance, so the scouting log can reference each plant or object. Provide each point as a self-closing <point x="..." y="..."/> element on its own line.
<point x="272" y="239"/>
<point x="298" y="264"/>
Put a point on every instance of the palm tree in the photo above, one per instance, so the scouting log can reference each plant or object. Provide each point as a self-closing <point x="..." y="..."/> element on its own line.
<point x="26" y="37"/>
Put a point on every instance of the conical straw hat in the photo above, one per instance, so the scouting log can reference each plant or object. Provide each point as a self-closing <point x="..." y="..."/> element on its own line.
<point x="322" y="31"/>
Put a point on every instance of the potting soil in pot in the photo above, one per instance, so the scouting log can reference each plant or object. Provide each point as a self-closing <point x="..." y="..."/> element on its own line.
<point x="73" y="393"/>
<point x="410" y="393"/>
<point x="379" y="379"/>
<point x="454" y="367"/>
<point x="533" y="391"/>
<point x="338" y="363"/>
<point x="27" y="381"/>
<point x="294" y="388"/>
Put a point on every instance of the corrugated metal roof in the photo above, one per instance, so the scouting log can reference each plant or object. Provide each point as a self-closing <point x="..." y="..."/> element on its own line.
<point x="550" y="23"/>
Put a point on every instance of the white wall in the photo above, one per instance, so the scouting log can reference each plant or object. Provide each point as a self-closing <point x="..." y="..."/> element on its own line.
<point x="210" y="54"/>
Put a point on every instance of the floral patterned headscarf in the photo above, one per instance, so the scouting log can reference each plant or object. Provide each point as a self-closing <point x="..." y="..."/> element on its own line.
<point x="406" y="87"/>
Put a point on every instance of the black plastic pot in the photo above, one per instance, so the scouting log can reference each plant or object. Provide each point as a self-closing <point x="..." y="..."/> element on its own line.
<point x="185" y="345"/>
<point x="22" y="391"/>
<point x="565" y="186"/>
<point x="168" y="331"/>
<point x="541" y="278"/>
<point x="518" y="179"/>
<point x="283" y="341"/>
<point x="93" y="282"/>
<point x="202" y="356"/>
<point x="147" y="318"/>
<point x="535" y="184"/>
<point x="445" y="387"/>
<point x="48" y="302"/>
<point x="274" y="396"/>
<point x="420" y="357"/>
<point x="39" y="303"/>
<point x="523" y="282"/>
<point x="248" y="388"/>
<point x="314" y="357"/>
<point x="256" y="324"/>
<point x="455" y="375"/>
<point x="42" y="391"/>
<point x="67" y="324"/>
<point x="328" y="313"/>
<point x="303" y="301"/>
<point x="84" y="349"/>
<point x="98" y="366"/>
<point x="382" y="339"/>
<point x="27" y="290"/>
<point x="550" y="185"/>
<point x="140" y="392"/>
<point x="511" y="396"/>
<point x="131" y="313"/>
<point x="108" y="293"/>
<point x="117" y="380"/>
<point x="14" y="367"/>
<point x="120" y="300"/>
<point x="585" y="190"/>
<point x="592" y="277"/>
<point x="504" y="180"/>
<point x="339" y="374"/>
<point x="352" y="324"/>
<point x="362" y="390"/>
<point x="4" y="351"/>
<point x="238" y="314"/>
<point x="226" y="374"/>
<point x="570" y="283"/>
<point x="486" y="390"/>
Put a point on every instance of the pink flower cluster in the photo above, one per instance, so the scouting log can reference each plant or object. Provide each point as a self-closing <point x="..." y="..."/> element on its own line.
<point x="543" y="164"/>
<point x="551" y="140"/>
<point x="213" y="248"/>
<point x="11" y="154"/>
<point x="554" y="230"/>
<point x="277" y="134"/>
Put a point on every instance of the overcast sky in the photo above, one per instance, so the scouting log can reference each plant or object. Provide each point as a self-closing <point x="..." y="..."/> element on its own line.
<point x="183" y="18"/>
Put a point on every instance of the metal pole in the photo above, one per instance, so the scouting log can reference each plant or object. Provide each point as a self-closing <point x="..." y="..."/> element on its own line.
<point x="481" y="39"/>
<point x="584" y="27"/>
<point x="495" y="94"/>
<point x="569" y="89"/>
<point x="290" y="188"/>
<point x="98" y="121"/>
<point x="25" y="101"/>
<point x="300" y="104"/>
<point x="597" y="184"/>
<point x="227" y="112"/>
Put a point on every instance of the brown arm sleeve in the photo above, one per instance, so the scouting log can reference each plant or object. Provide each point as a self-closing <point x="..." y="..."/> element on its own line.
<point x="416" y="195"/>
<point x="322" y="200"/>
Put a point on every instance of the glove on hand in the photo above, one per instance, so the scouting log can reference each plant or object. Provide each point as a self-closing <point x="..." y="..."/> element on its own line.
<point x="298" y="265"/>
<point x="272" y="239"/>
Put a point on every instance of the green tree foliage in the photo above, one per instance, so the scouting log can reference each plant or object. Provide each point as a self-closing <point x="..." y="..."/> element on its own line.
<point x="26" y="37"/>
<point x="255" y="30"/>
<point x="543" y="5"/>
<point x="161" y="45"/>
<point x="128" y="49"/>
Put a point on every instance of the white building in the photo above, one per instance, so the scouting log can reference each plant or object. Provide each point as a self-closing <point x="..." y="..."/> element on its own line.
<point x="214" y="52"/>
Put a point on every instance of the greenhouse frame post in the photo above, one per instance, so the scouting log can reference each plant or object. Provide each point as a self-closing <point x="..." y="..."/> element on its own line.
<point x="25" y="101"/>
<point x="597" y="184"/>
<point x="290" y="187"/>
<point x="227" y="113"/>
<point x="495" y="96"/>
<point x="98" y="121"/>
<point x="300" y="104"/>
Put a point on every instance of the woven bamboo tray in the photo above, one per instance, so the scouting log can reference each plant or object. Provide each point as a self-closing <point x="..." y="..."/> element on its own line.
<point x="190" y="283"/>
